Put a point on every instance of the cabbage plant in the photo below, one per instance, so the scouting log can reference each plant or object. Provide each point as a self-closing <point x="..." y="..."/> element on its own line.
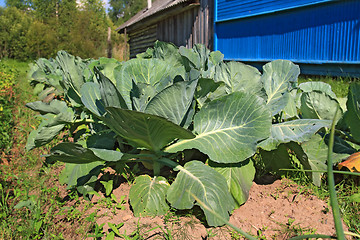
<point x="167" y="105"/>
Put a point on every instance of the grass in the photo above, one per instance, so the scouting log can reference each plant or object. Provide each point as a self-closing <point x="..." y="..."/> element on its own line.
<point x="8" y="77"/>
<point x="22" y="197"/>
<point x="339" y="85"/>
<point x="30" y="204"/>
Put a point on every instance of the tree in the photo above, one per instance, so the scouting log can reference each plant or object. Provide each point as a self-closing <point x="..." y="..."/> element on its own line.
<point x="88" y="31"/>
<point x="41" y="40"/>
<point x="42" y="28"/>
<point x="14" y="25"/>
<point x="19" y="4"/>
<point x="45" y="10"/>
<point x="123" y="10"/>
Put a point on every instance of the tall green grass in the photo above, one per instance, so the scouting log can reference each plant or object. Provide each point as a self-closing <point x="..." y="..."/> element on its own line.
<point x="8" y="77"/>
<point x="29" y="205"/>
<point x="339" y="85"/>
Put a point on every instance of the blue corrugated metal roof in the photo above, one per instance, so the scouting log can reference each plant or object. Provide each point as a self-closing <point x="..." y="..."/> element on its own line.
<point x="234" y="9"/>
<point x="323" y="33"/>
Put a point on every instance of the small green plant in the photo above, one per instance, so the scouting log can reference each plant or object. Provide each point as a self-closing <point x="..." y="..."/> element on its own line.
<point x="210" y="233"/>
<point x="108" y="185"/>
<point x="111" y="202"/>
<point x="290" y="229"/>
<point x="260" y="233"/>
<point x="136" y="234"/>
<point x="115" y="228"/>
<point x="97" y="231"/>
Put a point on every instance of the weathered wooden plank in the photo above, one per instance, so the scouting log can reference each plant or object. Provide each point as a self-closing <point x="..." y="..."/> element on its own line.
<point x="142" y="39"/>
<point x="185" y="28"/>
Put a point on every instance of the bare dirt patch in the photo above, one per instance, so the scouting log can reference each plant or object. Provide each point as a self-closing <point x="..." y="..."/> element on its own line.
<point x="275" y="211"/>
<point x="280" y="211"/>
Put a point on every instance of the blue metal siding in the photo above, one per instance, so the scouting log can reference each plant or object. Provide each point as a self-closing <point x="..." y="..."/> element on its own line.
<point x="233" y="9"/>
<point x="324" y="33"/>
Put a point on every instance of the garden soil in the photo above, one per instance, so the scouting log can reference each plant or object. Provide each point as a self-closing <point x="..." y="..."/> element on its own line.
<point x="279" y="210"/>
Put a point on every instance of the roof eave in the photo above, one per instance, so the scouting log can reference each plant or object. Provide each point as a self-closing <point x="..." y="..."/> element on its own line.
<point x="157" y="16"/>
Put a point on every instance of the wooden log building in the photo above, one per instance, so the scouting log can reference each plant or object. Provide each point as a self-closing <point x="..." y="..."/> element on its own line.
<point x="322" y="36"/>
<point x="182" y="22"/>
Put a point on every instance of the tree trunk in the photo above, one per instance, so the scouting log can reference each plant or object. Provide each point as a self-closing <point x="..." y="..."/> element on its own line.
<point x="109" y="49"/>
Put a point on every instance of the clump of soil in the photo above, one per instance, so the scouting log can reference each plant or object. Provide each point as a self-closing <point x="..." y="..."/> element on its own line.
<point x="275" y="211"/>
<point x="279" y="210"/>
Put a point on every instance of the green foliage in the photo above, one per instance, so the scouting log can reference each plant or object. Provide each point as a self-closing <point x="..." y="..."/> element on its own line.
<point x="152" y="108"/>
<point x="201" y="181"/>
<point x="42" y="28"/>
<point x="244" y="121"/>
<point x="8" y="76"/>
<point x="123" y="10"/>
<point x="20" y="4"/>
<point x="148" y="196"/>
<point x="41" y="40"/>
<point x="14" y="25"/>
<point x="353" y="116"/>
<point x="26" y="181"/>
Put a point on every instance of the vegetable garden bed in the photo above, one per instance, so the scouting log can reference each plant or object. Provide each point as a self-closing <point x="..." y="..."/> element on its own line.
<point x="186" y="129"/>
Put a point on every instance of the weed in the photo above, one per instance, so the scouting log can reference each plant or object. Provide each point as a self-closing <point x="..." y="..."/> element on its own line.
<point x="210" y="233"/>
<point x="234" y="235"/>
<point x="111" y="202"/>
<point x="136" y="234"/>
<point x="115" y="228"/>
<point x="97" y="231"/>
<point x="290" y="229"/>
<point x="350" y="209"/>
<point x="7" y="80"/>
<point x="260" y="233"/>
<point x="275" y="195"/>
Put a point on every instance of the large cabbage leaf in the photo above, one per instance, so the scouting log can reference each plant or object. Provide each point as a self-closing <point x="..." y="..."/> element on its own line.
<point x="319" y="105"/>
<point x="239" y="178"/>
<point x="317" y="87"/>
<point x="313" y="155"/>
<point x="91" y="98"/>
<point x="74" y="153"/>
<point x="144" y="130"/>
<point x="72" y="69"/>
<point x="353" y="105"/>
<point x="148" y="196"/>
<point x="228" y="129"/>
<point x="109" y="93"/>
<point x="279" y="78"/>
<point x="173" y="103"/>
<point x="299" y="130"/>
<point x="54" y="107"/>
<point x="154" y="72"/>
<point x="239" y="77"/>
<point x="209" y="186"/>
